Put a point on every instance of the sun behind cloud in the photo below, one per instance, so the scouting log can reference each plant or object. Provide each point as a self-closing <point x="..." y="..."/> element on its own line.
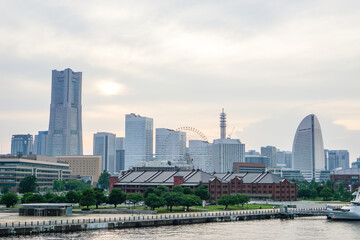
<point x="110" y="88"/>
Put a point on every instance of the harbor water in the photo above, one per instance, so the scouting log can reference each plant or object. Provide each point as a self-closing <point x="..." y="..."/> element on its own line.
<point x="306" y="228"/>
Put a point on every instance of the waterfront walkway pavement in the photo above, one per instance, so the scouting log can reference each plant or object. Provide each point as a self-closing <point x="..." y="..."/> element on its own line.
<point x="87" y="222"/>
<point x="10" y="219"/>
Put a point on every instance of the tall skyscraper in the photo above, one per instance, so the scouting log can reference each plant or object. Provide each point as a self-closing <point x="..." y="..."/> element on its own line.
<point x="336" y="159"/>
<point x="170" y="144"/>
<point x="120" y="154"/>
<point x="138" y="139"/>
<point x="104" y="146"/>
<point x="200" y="153"/>
<point x="40" y="143"/>
<point x="226" y="151"/>
<point x="65" y="125"/>
<point x="22" y="144"/>
<point x="308" y="148"/>
<point x="270" y="152"/>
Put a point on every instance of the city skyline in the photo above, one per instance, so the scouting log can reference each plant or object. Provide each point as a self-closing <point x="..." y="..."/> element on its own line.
<point x="267" y="72"/>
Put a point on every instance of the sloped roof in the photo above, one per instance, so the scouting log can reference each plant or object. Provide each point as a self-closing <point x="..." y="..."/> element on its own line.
<point x="193" y="177"/>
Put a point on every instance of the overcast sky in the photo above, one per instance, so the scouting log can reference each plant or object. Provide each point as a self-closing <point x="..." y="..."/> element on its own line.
<point x="268" y="63"/>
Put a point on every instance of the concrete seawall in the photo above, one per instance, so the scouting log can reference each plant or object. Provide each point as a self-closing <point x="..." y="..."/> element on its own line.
<point x="63" y="226"/>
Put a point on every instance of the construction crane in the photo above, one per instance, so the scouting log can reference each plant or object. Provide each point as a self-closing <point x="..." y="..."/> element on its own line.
<point x="232" y="131"/>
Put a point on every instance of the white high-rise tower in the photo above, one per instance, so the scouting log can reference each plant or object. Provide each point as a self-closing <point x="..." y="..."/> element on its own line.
<point x="65" y="125"/>
<point x="308" y="148"/>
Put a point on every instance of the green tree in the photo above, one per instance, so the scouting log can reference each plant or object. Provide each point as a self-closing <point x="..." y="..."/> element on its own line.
<point x="28" y="184"/>
<point x="72" y="197"/>
<point x="26" y="196"/>
<point x="329" y="184"/>
<point x="318" y="189"/>
<point x="61" y="198"/>
<point x="9" y="199"/>
<point x="88" y="198"/>
<point x="202" y="192"/>
<point x="326" y="193"/>
<point x="50" y="197"/>
<point x="304" y="193"/>
<point x="313" y="184"/>
<point x="135" y="198"/>
<point x="154" y="201"/>
<point x="59" y="185"/>
<point x="76" y="185"/>
<point x="227" y="200"/>
<point x="117" y="197"/>
<point x="104" y="180"/>
<point x="191" y="200"/>
<point x="33" y="198"/>
<point x="148" y="191"/>
<point x="99" y="196"/>
<point x="173" y="199"/>
<point x="341" y="188"/>
<point x="346" y="197"/>
<point x="336" y="196"/>
<point x="5" y="189"/>
<point x="178" y="189"/>
<point x="188" y="191"/>
<point x="73" y="184"/>
<point x="242" y="199"/>
<point x="313" y="193"/>
<point x="160" y="190"/>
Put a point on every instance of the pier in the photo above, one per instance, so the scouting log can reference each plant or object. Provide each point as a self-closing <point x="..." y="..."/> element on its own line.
<point x="72" y="225"/>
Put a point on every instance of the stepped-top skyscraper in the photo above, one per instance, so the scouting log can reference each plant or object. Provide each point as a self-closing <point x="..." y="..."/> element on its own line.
<point x="65" y="125"/>
<point x="22" y="144"/>
<point x="308" y="148"/>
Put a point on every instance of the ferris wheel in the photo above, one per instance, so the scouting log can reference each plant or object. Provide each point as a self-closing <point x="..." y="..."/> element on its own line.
<point x="176" y="149"/>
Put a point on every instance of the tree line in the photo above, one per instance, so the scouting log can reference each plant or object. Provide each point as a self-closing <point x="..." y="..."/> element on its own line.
<point x="78" y="192"/>
<point x="314" y="190"/>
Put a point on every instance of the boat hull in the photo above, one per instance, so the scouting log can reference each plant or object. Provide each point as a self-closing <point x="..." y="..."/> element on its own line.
<point x="339" y="215"/>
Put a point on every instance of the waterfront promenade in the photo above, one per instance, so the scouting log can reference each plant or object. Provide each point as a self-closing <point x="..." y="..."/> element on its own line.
<point x="88" y="222"/>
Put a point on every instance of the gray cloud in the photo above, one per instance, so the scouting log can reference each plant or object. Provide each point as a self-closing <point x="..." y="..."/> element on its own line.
<point x="269" y="63"/>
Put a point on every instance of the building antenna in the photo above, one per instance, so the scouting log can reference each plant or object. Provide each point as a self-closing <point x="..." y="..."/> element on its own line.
<point x="222" y="124"/>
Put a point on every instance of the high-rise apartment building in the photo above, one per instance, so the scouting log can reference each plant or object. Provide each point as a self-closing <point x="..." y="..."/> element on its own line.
<point x="120" y="154"/>
<point x="40" y="143"/>
<point x="200" y="153"/>
<point x="104" y="146"/>
<point x="22" y="144"/>
<point x="270" y="152"/>
<point x="308" y="148"/>
<point x="336" y="159"/>
<point x="170" y="144"/>
<point x="65" y="125"/>
<point x="138" y="139"/>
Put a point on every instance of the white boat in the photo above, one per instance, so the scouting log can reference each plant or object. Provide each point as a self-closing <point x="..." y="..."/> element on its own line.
<point x="350" y="212"/>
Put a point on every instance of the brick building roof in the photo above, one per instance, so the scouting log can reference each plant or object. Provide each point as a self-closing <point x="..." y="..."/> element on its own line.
<point x="192" y="178"/>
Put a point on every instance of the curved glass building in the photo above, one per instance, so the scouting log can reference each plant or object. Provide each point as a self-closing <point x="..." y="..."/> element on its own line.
<point x="308" y="148"/>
